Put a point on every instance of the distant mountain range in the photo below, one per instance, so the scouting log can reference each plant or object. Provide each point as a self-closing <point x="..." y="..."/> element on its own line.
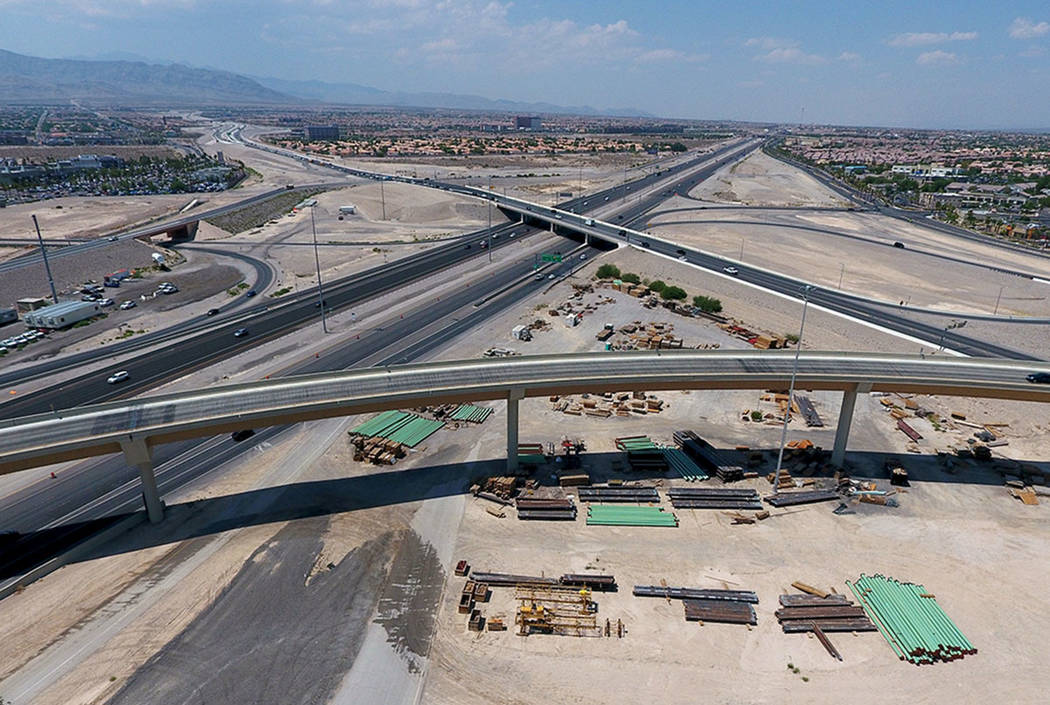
<point x="127" y="79"/>
<point x="355" y="94"/>
<point x="28" y="79"/>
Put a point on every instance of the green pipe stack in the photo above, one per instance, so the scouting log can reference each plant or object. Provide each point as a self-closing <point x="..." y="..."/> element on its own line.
<point x="916" y="627"/>
<point x="619" y="515"/>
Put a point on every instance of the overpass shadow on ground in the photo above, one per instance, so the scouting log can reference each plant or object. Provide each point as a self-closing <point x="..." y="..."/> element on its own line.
<point x="390" y="487"/>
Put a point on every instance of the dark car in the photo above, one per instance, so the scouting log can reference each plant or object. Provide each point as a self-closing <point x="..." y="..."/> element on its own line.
<point x="899" y="245"/>
<point x="240" y="332"/>
<point x="242" y="435"/>
<point x="317" y="304"/>
<point x="251" y="293"/>
<point x="213" y="311"/>
<point x="1039" y="378"/>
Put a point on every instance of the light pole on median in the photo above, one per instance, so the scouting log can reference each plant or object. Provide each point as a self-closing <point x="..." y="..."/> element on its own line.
<point x="489" y="231"/>
<point x="791" y="389"/>
<point x="317" y="261"/>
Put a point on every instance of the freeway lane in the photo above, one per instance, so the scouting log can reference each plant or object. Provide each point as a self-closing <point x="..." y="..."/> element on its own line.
<point x="215" y="336"/>
<point x="108" y="486"/>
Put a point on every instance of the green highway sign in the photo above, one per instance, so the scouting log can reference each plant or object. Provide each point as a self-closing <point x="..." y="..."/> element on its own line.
<point x="550" y="258"/>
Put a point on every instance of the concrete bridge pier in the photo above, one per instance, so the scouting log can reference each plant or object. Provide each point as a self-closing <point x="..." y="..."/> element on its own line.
<point x="849" y="402"/>
<point x="137" y="453"/>
<point x="513" y="398"/>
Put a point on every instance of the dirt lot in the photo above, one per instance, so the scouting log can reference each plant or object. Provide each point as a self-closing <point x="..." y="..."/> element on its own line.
<point x="760" y="180"/>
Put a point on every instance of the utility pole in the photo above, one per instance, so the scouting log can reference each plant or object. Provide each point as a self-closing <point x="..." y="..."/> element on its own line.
<point x="997" y="299"/>
<point x="842" y="273"/>
<point x="317" y="261"/>
<point x="382" y="197"/>
<point x="43" y="254"/>
<point x="489" y="197"/>
<point x="791" y="389"/>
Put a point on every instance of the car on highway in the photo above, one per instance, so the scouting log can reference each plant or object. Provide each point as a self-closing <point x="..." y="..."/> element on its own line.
<point x="583" y="256"/>
<point x="550" y="276"/>
<point x="240" y="333"/>
<point x="899" y="245"/>
<point x="113" y="238"/>
<point x="250" y="293"/>
<point x="317" y="304"/>
<point x="1039" y="378"/>
<point x="105" y="303"/>
<point x="242" y="435"/>
<point x="212" y="312"/>
<point x="539" y="277"/>
<point x="125" y="305"/>
<point x="118" y="377"/>
<point x="731" y="271"/>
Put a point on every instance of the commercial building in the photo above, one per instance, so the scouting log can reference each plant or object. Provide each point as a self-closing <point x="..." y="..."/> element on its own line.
<point x="322" y="132"/>
<point x="927" y="171"/>
<point x="523" y="122"/>
<point x="62" y="314"/>
<point x="30" y="304"/>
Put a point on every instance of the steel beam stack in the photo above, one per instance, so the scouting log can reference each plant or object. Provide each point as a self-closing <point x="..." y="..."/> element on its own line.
<point x="788" y="499"/>
<point x="546" y="509"/>
<point x="714" y="498"/>
<point x="638" y="495"/>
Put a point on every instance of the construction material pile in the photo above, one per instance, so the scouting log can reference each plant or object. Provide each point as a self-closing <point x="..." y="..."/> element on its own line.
<point x="469" y="412"/>
<point x="618" y="515"/>
<point x="535" y="508"/>
<point x="637" y="495"/>
<point x="910" y="619"/>
<point x="707" y="605"/>
<point x="656" y="335"/>
<point x="682" y="464"/>
<point x="832" y="613"/>
<point x="790" y="499"/>
<point x="706" y="457"/>
<point x="562" y="610"/>
<point x="714" y="498"/>
<point x="621" y="404"/>
<point x="383" y="439"/>
<point x="531" y="454"/>
<point x="643" y="454"/>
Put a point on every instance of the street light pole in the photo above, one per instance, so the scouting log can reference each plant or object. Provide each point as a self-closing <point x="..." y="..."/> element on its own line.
<point x="43" y="254"/>
<point x="489" y="231"/>
<point x="842" y="273"/>
<point x="317" y="261"/>
<point x="997" y="299"/>
<point x="382" y="197"/>
<point x="791" y="389"/>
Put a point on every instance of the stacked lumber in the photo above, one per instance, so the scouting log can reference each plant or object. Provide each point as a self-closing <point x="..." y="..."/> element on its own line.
<point x="377" y="450"/>
<point x="714" y="498"/>
<point x="531" y="508"/>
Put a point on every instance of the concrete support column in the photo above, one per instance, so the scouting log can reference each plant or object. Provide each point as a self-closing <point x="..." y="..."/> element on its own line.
<point x="513" y="398"/>
<point x="137" y="454"/>
<point x="849" y="401"/>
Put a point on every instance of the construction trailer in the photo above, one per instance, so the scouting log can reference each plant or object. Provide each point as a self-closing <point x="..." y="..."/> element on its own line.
<point x="8" y="315"/>
<point x="521" y="333"/>
<point x="61" y="315"/>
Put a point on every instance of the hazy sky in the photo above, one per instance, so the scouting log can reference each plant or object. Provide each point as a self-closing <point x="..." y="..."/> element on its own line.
<point x="948" y="64"/>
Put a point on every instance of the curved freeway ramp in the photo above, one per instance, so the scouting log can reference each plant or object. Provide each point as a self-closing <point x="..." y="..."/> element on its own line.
<point x="135" y="425"/>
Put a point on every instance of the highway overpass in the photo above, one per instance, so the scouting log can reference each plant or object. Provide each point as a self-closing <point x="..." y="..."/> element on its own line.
<point x="133" y="427"/>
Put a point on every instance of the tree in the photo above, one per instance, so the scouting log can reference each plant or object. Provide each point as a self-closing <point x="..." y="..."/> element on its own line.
<point x="707" y="304"/>
<point x="608" y="271"/>
<point x="630" y="278"/>
<point x="673" y="293"/>
<point x="657" y="286"/>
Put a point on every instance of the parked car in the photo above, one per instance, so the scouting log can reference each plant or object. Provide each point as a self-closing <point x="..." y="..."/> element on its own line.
<point x="125" y="305"/>
<point x="118" y="377"/>
<point x="106" y="302"/>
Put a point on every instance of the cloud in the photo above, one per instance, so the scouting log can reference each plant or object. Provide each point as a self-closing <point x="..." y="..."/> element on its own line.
<point x="937" y="58"/>
<point x="848" y="56"/>
<point x="1024" y="28"/>
<point x="657" y="55"/>
<point x="917" y="39"/>
<point x="769" y="43"/>
<point x="790" y="55"/>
